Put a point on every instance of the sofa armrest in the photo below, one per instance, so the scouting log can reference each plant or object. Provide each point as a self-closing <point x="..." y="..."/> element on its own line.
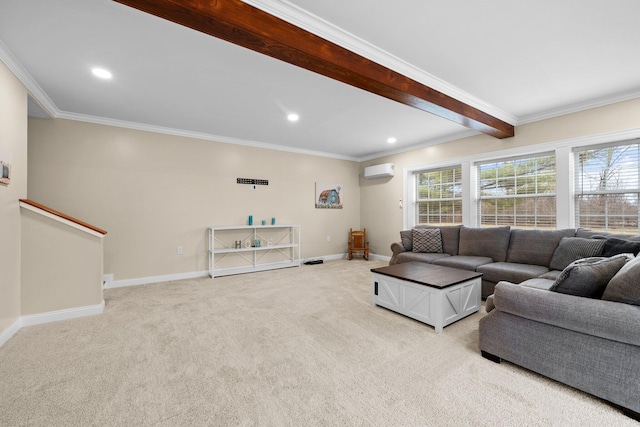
<point x="605" y="319"/>
<point x="397" y="247"/>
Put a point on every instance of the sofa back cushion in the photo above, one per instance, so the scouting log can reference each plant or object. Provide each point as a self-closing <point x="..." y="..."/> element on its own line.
<point x="589" y="234"/>
<point x="535" y="247"/>
<point x="485" y="242"/>
<point x="450" y="236"/>
<point x="407" y="239"/>
<point x="625" y="286"/>
<point x="585" y="233"/>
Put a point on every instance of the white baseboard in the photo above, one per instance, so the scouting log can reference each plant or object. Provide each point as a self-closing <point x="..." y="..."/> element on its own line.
<point x="326" y="257"/>
<point x="112" y="284"/>
<point x="72" y="313"/>
<point x="380" y="257"/>
<point x="155" y="279"/>
<point x="343" y="256"/>
<point x="48" y="317"/>
<point x="55" y="316"/>
<point x="10" y="331"/>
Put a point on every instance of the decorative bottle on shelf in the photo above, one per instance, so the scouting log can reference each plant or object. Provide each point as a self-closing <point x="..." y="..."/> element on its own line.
<point x="250" y="219"/>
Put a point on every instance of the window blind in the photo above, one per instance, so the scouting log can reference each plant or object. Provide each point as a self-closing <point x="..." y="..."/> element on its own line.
<point x="520" y="192"/>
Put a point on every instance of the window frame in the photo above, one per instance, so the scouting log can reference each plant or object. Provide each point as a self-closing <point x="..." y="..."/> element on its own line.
<point x="565" y="181"/>
<point x="579" y="191"/>
<point x="417" y="200"/>
<point x="516" y="197"/>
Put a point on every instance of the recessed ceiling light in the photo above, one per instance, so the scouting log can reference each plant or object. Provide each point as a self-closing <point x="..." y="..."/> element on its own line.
<point x="391" y="140"/>
<point x="293" y="117"/>
<point x="102" y="73"/>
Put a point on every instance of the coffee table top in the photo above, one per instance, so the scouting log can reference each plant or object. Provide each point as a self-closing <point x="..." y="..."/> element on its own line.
<point x="435" y="276"/>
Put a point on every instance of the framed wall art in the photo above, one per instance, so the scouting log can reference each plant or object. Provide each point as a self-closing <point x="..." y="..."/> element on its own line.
<point x="329" y="196"/>
<point x="5" y="167"/>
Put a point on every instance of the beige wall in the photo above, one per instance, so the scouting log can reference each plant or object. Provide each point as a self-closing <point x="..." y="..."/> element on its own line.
<point x="13" y="139"/>
<point x="61" y="266"/>
<point x="154" y="192"/>
<point x="379" y="198"/>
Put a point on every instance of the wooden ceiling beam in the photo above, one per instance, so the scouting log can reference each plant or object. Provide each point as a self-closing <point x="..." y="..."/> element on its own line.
<point x="250" y="27"/>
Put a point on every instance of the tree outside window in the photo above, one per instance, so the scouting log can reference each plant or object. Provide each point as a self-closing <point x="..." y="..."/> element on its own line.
<point x="439" y="196"/>
<point x="607" y="189"/>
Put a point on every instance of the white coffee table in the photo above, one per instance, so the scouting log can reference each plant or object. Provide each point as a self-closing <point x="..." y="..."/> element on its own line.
<point x="431" y="294"/>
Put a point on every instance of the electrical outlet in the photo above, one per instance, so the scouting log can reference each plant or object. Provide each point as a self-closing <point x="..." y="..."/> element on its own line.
<point x="328" y="238"/>
<point x="180" y="250"/>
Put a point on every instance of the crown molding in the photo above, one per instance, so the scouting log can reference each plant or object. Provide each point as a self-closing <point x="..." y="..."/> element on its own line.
<point x="196" y="135"/>
<point x="435" y="141"/>
<point x="320" y="27"/>
<point x="23" y="75"/>
<point x="575" y="108"/>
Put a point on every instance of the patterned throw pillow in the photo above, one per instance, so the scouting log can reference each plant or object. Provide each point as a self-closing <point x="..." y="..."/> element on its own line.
<point x="588" y="277"/>
<point x="427" y="240"/>
<point x="573" y="248"/>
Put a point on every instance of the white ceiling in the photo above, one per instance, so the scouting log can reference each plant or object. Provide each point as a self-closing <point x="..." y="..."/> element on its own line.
<point x="518" y="61"/>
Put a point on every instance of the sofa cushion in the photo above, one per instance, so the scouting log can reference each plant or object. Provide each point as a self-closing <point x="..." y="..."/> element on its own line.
<point x="417" y="256"/>
<point x="535" y="246"/>
<point x="484" y="242"/>
<point x="574" y="248"/>
<point x="463" y="262"/>
<point x="586" y="233"/>
<point x="615" y="246"/>
<point x="551" y="275"/>
<point x="588" y="277"/>
<point x="511" y="272"/>
<point x="449" y="233"/>
<point x="538" y="283"/>
<point x="625" y="285"/>
<point x="450" y="237"/>
<point x="406" y="236"/>
<point x="426" y="240"/>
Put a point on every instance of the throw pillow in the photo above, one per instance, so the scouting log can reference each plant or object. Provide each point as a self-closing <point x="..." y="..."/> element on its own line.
<point x="574" y="248"/>
<point x="588" y="277"/>
<point x="427" y="240"/>
<point x="614" y="246"/>
<point x="625" y="286"/>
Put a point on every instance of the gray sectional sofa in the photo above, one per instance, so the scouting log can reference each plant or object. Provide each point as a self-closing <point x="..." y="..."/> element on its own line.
<point x="576" y="321"/>
<point x="500" y="253"/>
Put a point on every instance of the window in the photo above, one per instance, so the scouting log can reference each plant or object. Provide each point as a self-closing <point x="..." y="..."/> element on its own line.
<point x="439" y="196"/>
<point x="518" y="192"/>
<point x="607" y="188"/>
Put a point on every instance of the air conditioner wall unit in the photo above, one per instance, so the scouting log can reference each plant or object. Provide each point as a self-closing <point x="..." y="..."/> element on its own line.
<point x="379" y="171"/>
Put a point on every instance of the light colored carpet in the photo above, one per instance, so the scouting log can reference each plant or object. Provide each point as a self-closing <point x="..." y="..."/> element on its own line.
<point x="294" y="347"/>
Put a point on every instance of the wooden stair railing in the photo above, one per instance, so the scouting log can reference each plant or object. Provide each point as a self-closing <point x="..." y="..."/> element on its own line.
<point x="30" y="204"/>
